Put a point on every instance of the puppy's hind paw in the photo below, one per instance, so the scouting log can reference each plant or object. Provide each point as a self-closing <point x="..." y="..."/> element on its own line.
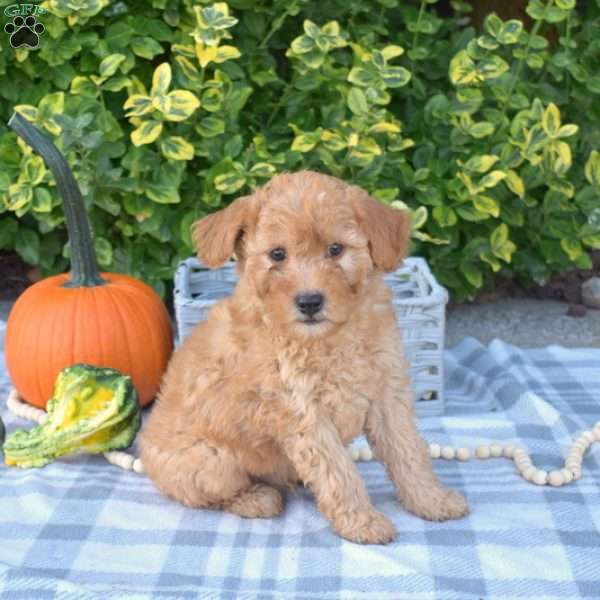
<point x="258" y="501"/>
<point x="368" y="527"/>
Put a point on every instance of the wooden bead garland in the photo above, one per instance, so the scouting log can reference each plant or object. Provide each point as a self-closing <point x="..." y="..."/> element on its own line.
<point x="525" y="467"/>
<point x="570" y="472"/>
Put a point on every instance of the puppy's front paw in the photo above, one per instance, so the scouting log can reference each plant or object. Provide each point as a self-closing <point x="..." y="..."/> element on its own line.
<point x="368" y="527"/>
<point x="440" y="504"/>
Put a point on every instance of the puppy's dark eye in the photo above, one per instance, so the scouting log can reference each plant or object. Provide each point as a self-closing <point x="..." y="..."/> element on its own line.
<point x="335" y="249"/>
<point x="277" y="254"/>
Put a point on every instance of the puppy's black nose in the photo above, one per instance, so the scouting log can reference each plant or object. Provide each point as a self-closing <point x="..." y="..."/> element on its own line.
<point x="309" y="304"/>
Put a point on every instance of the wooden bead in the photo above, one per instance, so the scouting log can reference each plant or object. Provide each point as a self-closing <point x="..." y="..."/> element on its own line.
<point x="448" y="452"/>
<point x="354" y="454"/>
<point x="576" y="472"/>
<point x="483" y="452"/>
<point x="520" y="453"/>
<point x="23" y="410"/>
<point x="567" y="475"/>
<point x="509" y="451"/>
<point x="435" y="450"/>
<point x="463" y="454"/>
<point x="540" y="477"/>
<point x="575" y="454"/>
<point x="138" y="467"/>
<point x="523" y="464"/>
<point x="573" y="463"/>
<point x="529" y="472"/>
<point x="119" y="459"/>
<point x="556" y="478"/>
<point x="365" y="454"/>
<point x="496" y="450"/>
<point x="588" y="437"/>
<point x="522" y="458"/>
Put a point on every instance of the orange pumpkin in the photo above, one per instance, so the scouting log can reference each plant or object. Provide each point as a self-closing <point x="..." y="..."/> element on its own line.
<point x="102" y="319"/>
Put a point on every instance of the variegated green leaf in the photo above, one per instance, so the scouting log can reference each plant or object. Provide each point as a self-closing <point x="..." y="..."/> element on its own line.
<point x="510" y="31"/>
<point x="311" y="29"/>
<point x="211" y="127"/>
<point x="228" y="183"/>
<point x="146" y="47"/>
<point x="161" y="80"/>
<point x="302" y="44"/>
<point x="28" y="111"/>
<point x="52" y="104"/>
<point x="472" y="274"/>
<point x="33" y="170"/>
<point x="501" y="246"/>
<point x="567" y="131"/>
<point x="182" y="105"/>
<point x="572" y="248"/>
<point x="176" y="148"/>
<point x="564" y="160"/>
<point x="551" y="120"/>
<point x="419" y="217"/>
<point x="487" y="205"/>
<point x="492" y="179"/>
<point x="392" y="51"/>
<point x="188" y="67"/>
<point x="357" y="101"/>
<point x="19" y="196"/>
<point x="146" y="133"/>
<point x="592" y="168"/>
<point x="445" y="216"/>
<point x="226" y="53"/>
<point x="138" y="105"/>
<point x="514" y="183"/>
<point x="333" y="141"/>
<point x="42" y="201"/>
<point x="395" y="77"/>
<point x="462" y="69"/>
<point x="385" y="127"/>
<point x="263" y="169"/>
<point x="304" y="142"/>
<point x="481" y="163"/>
<point x="110" y="64"/>
<point x="162" y="193"/>
<point x="361" y="77"/>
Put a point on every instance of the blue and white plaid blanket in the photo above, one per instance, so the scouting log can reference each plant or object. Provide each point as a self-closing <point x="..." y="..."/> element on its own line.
<point x="80" y="528"/>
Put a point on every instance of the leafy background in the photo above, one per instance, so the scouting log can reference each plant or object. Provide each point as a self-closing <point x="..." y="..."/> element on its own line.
<point x="170" y="109"/>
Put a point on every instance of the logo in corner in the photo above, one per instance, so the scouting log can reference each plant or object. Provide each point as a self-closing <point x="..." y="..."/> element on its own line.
<point x="24" y="28"/>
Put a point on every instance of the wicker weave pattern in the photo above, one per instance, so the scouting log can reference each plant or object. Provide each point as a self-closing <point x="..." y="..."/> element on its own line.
<point x="419" y="301"/>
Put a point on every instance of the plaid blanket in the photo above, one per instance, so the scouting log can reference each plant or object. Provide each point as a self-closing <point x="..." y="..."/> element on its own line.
<point x="82" y="529"/>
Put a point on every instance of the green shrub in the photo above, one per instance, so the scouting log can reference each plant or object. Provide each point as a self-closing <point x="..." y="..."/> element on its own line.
<point x="169" y="109"/>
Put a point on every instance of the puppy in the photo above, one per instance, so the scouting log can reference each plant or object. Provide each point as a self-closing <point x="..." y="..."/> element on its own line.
<point x="302" y="358"/>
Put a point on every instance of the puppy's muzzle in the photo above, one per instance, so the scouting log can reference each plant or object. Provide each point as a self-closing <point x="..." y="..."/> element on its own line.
<point x="310" y="304"/>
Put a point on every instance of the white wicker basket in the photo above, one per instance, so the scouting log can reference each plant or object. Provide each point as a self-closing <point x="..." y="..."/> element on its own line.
<point x="419" y="301"/>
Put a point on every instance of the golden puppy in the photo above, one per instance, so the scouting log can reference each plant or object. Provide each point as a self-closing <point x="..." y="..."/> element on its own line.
<point x="301" y="359"/>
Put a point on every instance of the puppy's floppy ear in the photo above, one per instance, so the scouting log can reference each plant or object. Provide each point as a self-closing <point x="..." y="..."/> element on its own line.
<point x="219" y="235"/>
<point x="387" y="229"/>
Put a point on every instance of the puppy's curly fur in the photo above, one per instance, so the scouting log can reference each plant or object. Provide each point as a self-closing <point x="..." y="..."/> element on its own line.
<point x="262" y="395"/>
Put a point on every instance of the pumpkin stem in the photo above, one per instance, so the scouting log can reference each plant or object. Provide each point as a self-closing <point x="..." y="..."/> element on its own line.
<point x="84" y="265"/>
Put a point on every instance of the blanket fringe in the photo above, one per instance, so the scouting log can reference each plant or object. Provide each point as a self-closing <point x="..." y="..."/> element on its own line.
<point x="525" y="467"/>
